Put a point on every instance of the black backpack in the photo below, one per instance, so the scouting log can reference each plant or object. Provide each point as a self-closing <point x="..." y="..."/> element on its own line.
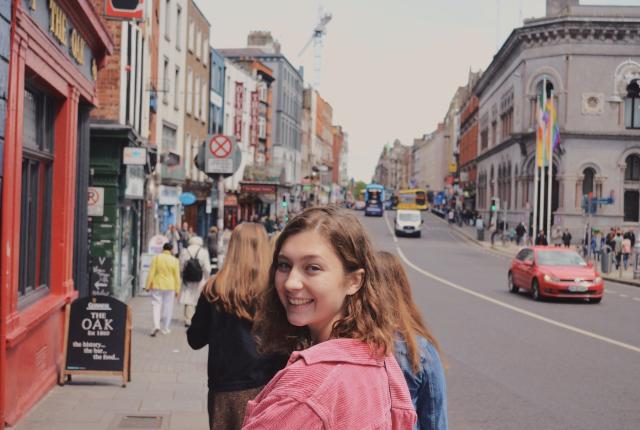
<point x="192" y="271"/>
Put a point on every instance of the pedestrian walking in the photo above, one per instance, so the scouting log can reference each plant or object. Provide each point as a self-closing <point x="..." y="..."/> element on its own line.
<point x="224" y="319"/>
<point x="184" y="235"/>
<point x="163" y="282"/>
<point x="626" y="250"/>
<point x="566" y="238"/>
<point x="617" y="248"/>
<point x="173" y="237"/>
<point x="520" y="231"/>
<point x="212" y="247"/>
<point x="328" y="306"/>
<point x="541" y="239"/>
<point x="195" y="267"/>
<point x="416" y="350"/>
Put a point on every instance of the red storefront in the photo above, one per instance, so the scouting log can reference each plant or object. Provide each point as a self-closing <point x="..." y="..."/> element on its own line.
<point x="56" y="48"/>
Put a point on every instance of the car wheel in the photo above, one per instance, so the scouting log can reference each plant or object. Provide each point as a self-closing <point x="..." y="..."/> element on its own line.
<point x="419" y="234"/>
<point x="535" y="291"/>
<point x="512" y="287"/>
<point x="595" y="300"/>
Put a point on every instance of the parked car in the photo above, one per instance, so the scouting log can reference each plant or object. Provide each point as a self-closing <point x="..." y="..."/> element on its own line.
<point x="547" y="271"/>
<point x="408" y="223"/>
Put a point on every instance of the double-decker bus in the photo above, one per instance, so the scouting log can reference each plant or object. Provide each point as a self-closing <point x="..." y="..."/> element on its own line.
<point x="414" y="198"/>
<point x="373" y="200"/>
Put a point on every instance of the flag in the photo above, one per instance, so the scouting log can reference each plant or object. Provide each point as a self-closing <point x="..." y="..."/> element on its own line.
<point x="540" y="135"/>
<point x="554" y="128"/>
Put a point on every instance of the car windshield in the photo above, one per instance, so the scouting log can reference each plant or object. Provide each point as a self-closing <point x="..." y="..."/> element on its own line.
<point x="409" y="217"/>
<point x="560" y="258"/>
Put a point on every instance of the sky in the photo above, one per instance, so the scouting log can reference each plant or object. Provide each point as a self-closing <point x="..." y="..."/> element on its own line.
<point x="389" y="67"/>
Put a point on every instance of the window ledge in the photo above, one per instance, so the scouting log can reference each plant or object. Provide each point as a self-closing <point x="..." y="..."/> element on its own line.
<point x="36" y="314"/>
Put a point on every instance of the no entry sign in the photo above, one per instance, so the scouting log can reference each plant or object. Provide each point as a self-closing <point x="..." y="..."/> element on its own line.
<point x="219" y="158"/>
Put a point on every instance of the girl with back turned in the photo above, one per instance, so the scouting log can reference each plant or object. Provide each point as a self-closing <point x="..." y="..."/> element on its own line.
<point x="416" y="349"/>
<point x="326" y="305"/>
<point x="223" y="320"/>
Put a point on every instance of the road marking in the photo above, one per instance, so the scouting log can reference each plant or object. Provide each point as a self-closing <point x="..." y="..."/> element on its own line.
<point x="636" y="299"/>
<point x="624" y="296"/>
<point x="533" y="315"/>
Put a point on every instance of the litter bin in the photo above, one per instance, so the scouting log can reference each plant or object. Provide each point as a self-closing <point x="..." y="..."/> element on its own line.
<point x="605" y="259"/>
<point x="480" y="234"/>
<point x="636" y="266"/>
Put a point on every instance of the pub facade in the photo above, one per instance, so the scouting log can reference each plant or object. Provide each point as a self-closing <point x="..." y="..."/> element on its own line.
<point x="56" y="48"/>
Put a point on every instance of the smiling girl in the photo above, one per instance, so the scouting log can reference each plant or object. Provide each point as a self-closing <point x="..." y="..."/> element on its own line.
<point x="327" y="306"/>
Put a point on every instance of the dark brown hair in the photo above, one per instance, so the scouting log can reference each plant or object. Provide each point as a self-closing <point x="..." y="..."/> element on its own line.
<point x="367" y="313"/>
<point x="408" y="318"/>
<point x="243" y="275"/>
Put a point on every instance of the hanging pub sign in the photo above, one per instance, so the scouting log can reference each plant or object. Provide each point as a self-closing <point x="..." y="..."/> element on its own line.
<point x="97" y="339"/>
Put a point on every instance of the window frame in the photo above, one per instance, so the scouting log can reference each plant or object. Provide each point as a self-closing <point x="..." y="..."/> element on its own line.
<point x="632" y="105"/>
<point x="36" y="199"/>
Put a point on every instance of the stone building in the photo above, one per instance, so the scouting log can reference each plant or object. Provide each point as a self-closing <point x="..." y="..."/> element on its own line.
<point x="589" y="58"/>
<point x="429" y="160"/>
<point x="395" y="166"/>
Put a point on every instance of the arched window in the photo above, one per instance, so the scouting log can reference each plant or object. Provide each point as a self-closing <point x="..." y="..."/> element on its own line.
<point x="588" y="180"/>
<point x="549" y="88"/>
<point x="632" y="105"/>
<point x="632" y="171"/>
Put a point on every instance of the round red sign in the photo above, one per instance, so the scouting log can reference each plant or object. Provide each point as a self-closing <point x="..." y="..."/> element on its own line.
<point x="220" y="146"/>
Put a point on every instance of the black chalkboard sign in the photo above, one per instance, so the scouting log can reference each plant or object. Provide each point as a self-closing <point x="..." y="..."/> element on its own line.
<point x="97" y="338"/>
<point x="101" y="273"/>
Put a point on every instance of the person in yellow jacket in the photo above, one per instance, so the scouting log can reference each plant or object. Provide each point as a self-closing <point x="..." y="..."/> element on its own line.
<point x="164" y="283"/>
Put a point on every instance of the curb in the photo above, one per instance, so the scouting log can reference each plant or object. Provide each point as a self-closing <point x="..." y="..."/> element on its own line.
<point x="621" y="281"/>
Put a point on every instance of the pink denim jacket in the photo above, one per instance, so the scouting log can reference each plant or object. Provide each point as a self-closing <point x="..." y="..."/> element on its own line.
<point x="337" y="384"/>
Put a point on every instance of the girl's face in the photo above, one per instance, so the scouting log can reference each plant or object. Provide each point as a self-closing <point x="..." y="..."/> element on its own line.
<point x="311" y="283"/>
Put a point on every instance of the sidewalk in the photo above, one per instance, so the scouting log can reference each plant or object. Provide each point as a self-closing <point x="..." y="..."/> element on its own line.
<point x="510" y="249"/>
<point x="168" y="387"/>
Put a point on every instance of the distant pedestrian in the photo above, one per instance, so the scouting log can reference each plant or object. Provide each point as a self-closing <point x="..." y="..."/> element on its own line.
<point x="617" y="249"/>
<point x="416" y="350"/>
<point x="184" y="235"/>
<point x="164" y="283"/>
<point x="451" y="216"/>
<point x="626" y="251"/>
<point x="520" y="231"/>
<point x="212" y="242"/>
<point x="541" y="239"/>
<point x="329" y="307"/>
<point x="566" y="238"/>
<point x="173" y="237"/>
<point x="223" y="320"/>
<point x="195" y="267"/>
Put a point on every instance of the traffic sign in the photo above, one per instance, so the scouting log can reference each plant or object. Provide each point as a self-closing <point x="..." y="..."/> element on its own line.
<point x="218" y="156"/>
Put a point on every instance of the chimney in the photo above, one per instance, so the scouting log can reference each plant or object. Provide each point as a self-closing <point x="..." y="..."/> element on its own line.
<point x="263" y="40"/>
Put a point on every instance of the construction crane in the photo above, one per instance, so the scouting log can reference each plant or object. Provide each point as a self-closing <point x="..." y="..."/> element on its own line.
<point x="317" y="37"/>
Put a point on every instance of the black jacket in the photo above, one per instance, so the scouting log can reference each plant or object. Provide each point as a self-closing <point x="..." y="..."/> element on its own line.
<point x="234" y="364"/>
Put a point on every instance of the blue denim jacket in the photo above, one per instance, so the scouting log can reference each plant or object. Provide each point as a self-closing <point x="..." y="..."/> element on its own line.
<point x="428" y="388"/>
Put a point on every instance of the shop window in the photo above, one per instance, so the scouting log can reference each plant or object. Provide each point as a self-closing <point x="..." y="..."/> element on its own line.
<point x="632" y="106"/>
<point x="632" y="171"/>
<point x="35" y="201"/>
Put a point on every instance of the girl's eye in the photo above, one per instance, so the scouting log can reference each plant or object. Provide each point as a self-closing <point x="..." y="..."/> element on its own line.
<point x="314" y="268"/>
<point x="282" y="266"/>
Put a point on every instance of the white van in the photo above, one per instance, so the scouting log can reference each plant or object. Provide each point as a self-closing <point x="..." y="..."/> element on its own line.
<point x="408" y="222"/>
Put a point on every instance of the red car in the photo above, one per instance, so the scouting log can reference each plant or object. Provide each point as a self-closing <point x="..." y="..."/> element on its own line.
<point x="548" y="271"/>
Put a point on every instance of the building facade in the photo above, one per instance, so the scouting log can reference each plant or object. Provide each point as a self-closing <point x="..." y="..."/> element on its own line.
<point x="597" y="114"/>
<point x="287" y="102"/>
<point x="55" y="52"/>
<point x="196" y="111"/>
<point x="171" y="169"/>
<point x="395" y="167"/>
<point x="121" y="121"/>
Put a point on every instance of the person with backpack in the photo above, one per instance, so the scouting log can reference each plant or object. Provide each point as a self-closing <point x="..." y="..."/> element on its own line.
<point x="195" y="267"/>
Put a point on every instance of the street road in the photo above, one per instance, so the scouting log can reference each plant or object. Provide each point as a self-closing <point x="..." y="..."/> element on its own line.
<point x="515" y="363"/>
